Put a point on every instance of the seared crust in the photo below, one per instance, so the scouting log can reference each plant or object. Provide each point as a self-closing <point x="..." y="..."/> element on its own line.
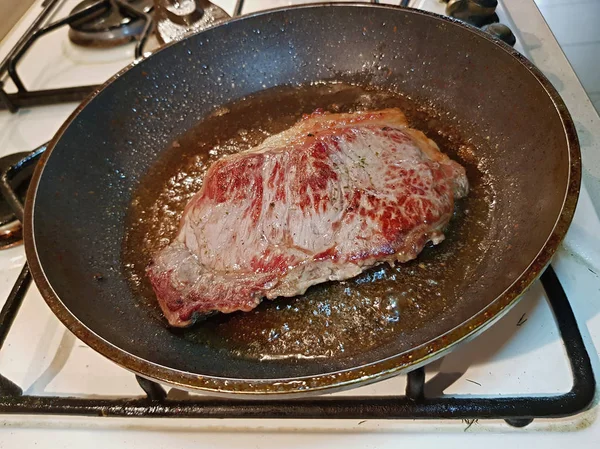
<point x="324" y="200"/>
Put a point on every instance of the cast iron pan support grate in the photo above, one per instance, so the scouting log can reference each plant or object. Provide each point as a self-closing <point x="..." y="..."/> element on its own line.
<point x="27" y="98"/>
<point x="518" y="411"/>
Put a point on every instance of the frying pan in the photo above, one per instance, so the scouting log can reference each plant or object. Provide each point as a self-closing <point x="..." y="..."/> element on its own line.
<point x="521" y="136"/>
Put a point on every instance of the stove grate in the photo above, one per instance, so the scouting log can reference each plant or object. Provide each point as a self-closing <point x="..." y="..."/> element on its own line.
<point x="23" y="97"/>
<point x="518" y="411"/>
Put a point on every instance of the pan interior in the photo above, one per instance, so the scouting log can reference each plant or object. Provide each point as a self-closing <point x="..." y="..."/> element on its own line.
<point x="114" y="186"/>
<point x="338" y="320"/>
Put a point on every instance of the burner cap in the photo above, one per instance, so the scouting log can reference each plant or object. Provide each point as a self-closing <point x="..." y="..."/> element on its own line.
<point x="11" y="233"/>
<point x="108" y="27"/>
<point x="175" y="19"/>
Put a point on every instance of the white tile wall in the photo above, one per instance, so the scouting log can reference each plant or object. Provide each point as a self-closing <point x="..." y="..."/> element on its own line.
<point x="576" y="25"/>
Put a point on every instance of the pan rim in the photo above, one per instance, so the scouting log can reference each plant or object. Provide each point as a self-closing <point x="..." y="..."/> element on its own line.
<point x="373" y="371"/>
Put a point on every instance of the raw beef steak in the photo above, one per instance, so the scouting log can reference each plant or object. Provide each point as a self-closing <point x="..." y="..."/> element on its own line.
<point x="324" y="200"/>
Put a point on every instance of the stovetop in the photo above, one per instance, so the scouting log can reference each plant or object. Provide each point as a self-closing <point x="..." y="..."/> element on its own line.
<point x="520" y="355"/>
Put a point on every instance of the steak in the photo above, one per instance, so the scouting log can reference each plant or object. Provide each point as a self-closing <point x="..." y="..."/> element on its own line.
<point x="322" y="201"/>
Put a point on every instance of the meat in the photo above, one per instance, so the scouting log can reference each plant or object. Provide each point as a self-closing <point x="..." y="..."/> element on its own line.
<point x="324" y="200"/>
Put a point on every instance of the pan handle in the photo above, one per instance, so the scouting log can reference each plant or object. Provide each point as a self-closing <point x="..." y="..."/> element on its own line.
<point x="14" y="175"/>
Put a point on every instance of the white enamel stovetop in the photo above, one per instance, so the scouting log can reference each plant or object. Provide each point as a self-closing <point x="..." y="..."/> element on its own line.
<point x="45" y="359"/>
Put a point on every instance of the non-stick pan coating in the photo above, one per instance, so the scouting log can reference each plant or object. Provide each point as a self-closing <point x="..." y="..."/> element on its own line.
<point x="76" y="211"/>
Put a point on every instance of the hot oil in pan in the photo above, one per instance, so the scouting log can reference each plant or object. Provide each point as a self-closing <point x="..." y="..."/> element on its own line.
<point x="336" y="319"/>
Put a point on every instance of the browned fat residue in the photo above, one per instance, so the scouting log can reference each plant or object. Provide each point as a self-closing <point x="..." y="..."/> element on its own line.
<point x="336" y="319"/>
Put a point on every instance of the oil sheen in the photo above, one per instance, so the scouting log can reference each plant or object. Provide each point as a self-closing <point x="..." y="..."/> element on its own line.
<point x="335" y="319"/>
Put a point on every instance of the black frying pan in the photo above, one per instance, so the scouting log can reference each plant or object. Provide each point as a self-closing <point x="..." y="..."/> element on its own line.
<point x="481" y="101"/>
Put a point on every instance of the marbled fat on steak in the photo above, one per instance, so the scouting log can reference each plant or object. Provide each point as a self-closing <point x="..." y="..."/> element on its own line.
<point x="324" y="200"/>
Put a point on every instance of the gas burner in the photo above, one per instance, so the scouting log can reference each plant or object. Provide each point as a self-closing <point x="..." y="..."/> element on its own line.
<point x="111" y="26"/>
<point x="11" y="232"/>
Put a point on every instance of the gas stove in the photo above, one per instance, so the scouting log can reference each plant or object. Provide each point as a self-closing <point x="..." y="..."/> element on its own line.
<point x="524" y="356"/>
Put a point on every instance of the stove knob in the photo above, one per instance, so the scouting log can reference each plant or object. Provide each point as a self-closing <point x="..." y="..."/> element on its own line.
<point x="502" y="32"/>
<point x="474" y="12"/>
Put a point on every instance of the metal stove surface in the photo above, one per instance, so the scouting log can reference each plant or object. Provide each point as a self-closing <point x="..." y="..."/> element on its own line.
<point x="522" y="354"/>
